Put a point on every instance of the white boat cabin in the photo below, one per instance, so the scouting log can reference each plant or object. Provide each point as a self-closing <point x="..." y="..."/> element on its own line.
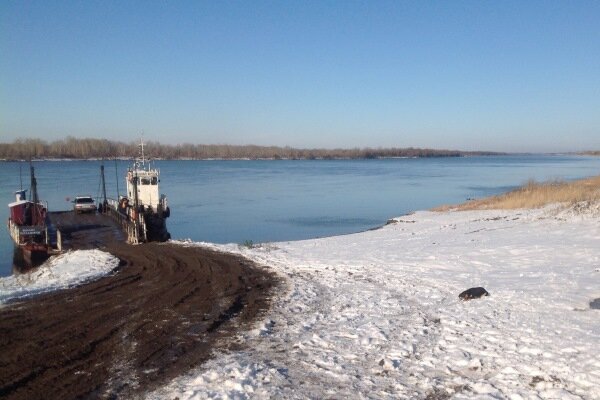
<point x="146" y="182"/>
<point x="144" y="179"/>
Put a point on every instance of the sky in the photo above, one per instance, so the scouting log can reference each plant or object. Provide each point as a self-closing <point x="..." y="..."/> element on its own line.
<point x="471" y="75"/>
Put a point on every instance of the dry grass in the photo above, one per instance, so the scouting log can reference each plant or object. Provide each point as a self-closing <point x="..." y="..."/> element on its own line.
<point x="536" y="195"/>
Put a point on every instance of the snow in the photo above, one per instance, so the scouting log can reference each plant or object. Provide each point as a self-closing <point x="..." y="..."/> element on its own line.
<point x="60" y="272"/>
<point x="377" y="315"/>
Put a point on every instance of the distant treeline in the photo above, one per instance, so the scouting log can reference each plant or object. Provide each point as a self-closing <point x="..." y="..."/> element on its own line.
<point x="591" y="153"/>
<point x="73" y="148"/>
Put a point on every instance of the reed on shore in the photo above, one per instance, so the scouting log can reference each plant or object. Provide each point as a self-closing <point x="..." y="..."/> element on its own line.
<point x="535" y="195"/>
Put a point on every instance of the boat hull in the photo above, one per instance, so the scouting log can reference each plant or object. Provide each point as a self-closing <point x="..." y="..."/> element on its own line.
<point x="156" y="228"/>
<point x="28" y="257"/>
<point x="35" y="253"/>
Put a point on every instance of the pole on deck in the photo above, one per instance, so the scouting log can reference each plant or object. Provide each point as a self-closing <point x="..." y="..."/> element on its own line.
<point x="117" y="179"/>
<point x="103" y="183"/>
<point x="34" y="193"/>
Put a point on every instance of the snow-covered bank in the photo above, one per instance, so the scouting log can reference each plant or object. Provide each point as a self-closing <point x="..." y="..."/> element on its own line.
<point x="61" y="272"/>
<point x="377" y="314"/>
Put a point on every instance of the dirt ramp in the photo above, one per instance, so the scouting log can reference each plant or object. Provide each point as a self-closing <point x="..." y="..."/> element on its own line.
<point x="163" y="313"/>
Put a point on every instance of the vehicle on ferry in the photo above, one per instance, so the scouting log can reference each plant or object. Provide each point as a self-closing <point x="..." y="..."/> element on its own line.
<point x="84" y="204"/>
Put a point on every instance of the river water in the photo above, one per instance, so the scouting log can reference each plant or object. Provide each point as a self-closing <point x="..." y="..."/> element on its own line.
<point x="261" y="201"/>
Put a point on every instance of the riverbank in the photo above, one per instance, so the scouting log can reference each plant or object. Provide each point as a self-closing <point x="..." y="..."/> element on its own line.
<point x="168" y="308"/>
<point x="377" y="314"/>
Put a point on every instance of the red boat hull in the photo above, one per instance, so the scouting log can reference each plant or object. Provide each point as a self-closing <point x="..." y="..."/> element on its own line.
<point x="35" y="254"/>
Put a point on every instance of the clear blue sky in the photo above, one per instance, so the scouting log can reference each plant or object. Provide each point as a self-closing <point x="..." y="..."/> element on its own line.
<point x="494" y="75"/>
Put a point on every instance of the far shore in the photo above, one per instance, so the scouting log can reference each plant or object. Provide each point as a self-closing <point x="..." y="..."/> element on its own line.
<point x="248" y="158"/>
<point x="308" y="158"/>
<point x="85" y="148"/>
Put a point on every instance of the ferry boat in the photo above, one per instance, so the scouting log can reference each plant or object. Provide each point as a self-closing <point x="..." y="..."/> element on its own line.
<point x="27" y="225"/>
<point x="144" y="208"/>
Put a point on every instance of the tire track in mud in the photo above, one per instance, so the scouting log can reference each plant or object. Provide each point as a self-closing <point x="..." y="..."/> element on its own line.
<point x="162" y="313"/>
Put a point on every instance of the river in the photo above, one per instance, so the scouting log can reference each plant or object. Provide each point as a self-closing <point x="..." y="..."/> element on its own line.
<point x="279" y="200"/>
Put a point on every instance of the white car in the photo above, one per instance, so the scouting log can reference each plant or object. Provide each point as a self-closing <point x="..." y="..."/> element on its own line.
<point x="83" y="204"/>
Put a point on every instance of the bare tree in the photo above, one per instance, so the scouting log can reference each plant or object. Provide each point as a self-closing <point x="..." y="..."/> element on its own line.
<point x="74" y="148"/>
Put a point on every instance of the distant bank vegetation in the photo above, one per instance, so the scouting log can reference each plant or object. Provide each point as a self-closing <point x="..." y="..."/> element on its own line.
<point x="591" y="153"/>
<point x="73" y="148"/>
<point x="536" y="195"/>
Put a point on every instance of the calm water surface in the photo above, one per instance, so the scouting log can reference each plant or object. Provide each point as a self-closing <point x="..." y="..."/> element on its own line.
<point x="235" y="201"/>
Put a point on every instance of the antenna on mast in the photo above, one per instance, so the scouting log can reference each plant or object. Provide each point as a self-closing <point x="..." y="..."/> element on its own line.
<point x="142" y="159"/>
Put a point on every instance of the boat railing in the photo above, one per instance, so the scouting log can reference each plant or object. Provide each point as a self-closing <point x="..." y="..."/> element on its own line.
<point x="135" y="233"/>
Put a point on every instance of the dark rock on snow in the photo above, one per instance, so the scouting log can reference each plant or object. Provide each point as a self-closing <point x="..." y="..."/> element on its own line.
<point x="595" y="305"/>
<point x="473" y="293"/>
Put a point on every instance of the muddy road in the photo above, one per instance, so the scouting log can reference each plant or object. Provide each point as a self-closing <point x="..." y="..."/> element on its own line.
<point x="164" y="311"/>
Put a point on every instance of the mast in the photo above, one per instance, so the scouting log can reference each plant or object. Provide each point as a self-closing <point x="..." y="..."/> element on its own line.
<point x="34" y="194"/>
<point x="117" y="178"/>
<point x="140" y="160"/>
<point x="142" y="149"/>
<point x="135" y="189"/>
<point x="103" y="183"/>
<point x="136" y="207"/>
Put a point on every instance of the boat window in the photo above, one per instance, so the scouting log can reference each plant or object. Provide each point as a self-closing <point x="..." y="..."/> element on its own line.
<point x="145" y="181"/>
<point x="154" y="180"/>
